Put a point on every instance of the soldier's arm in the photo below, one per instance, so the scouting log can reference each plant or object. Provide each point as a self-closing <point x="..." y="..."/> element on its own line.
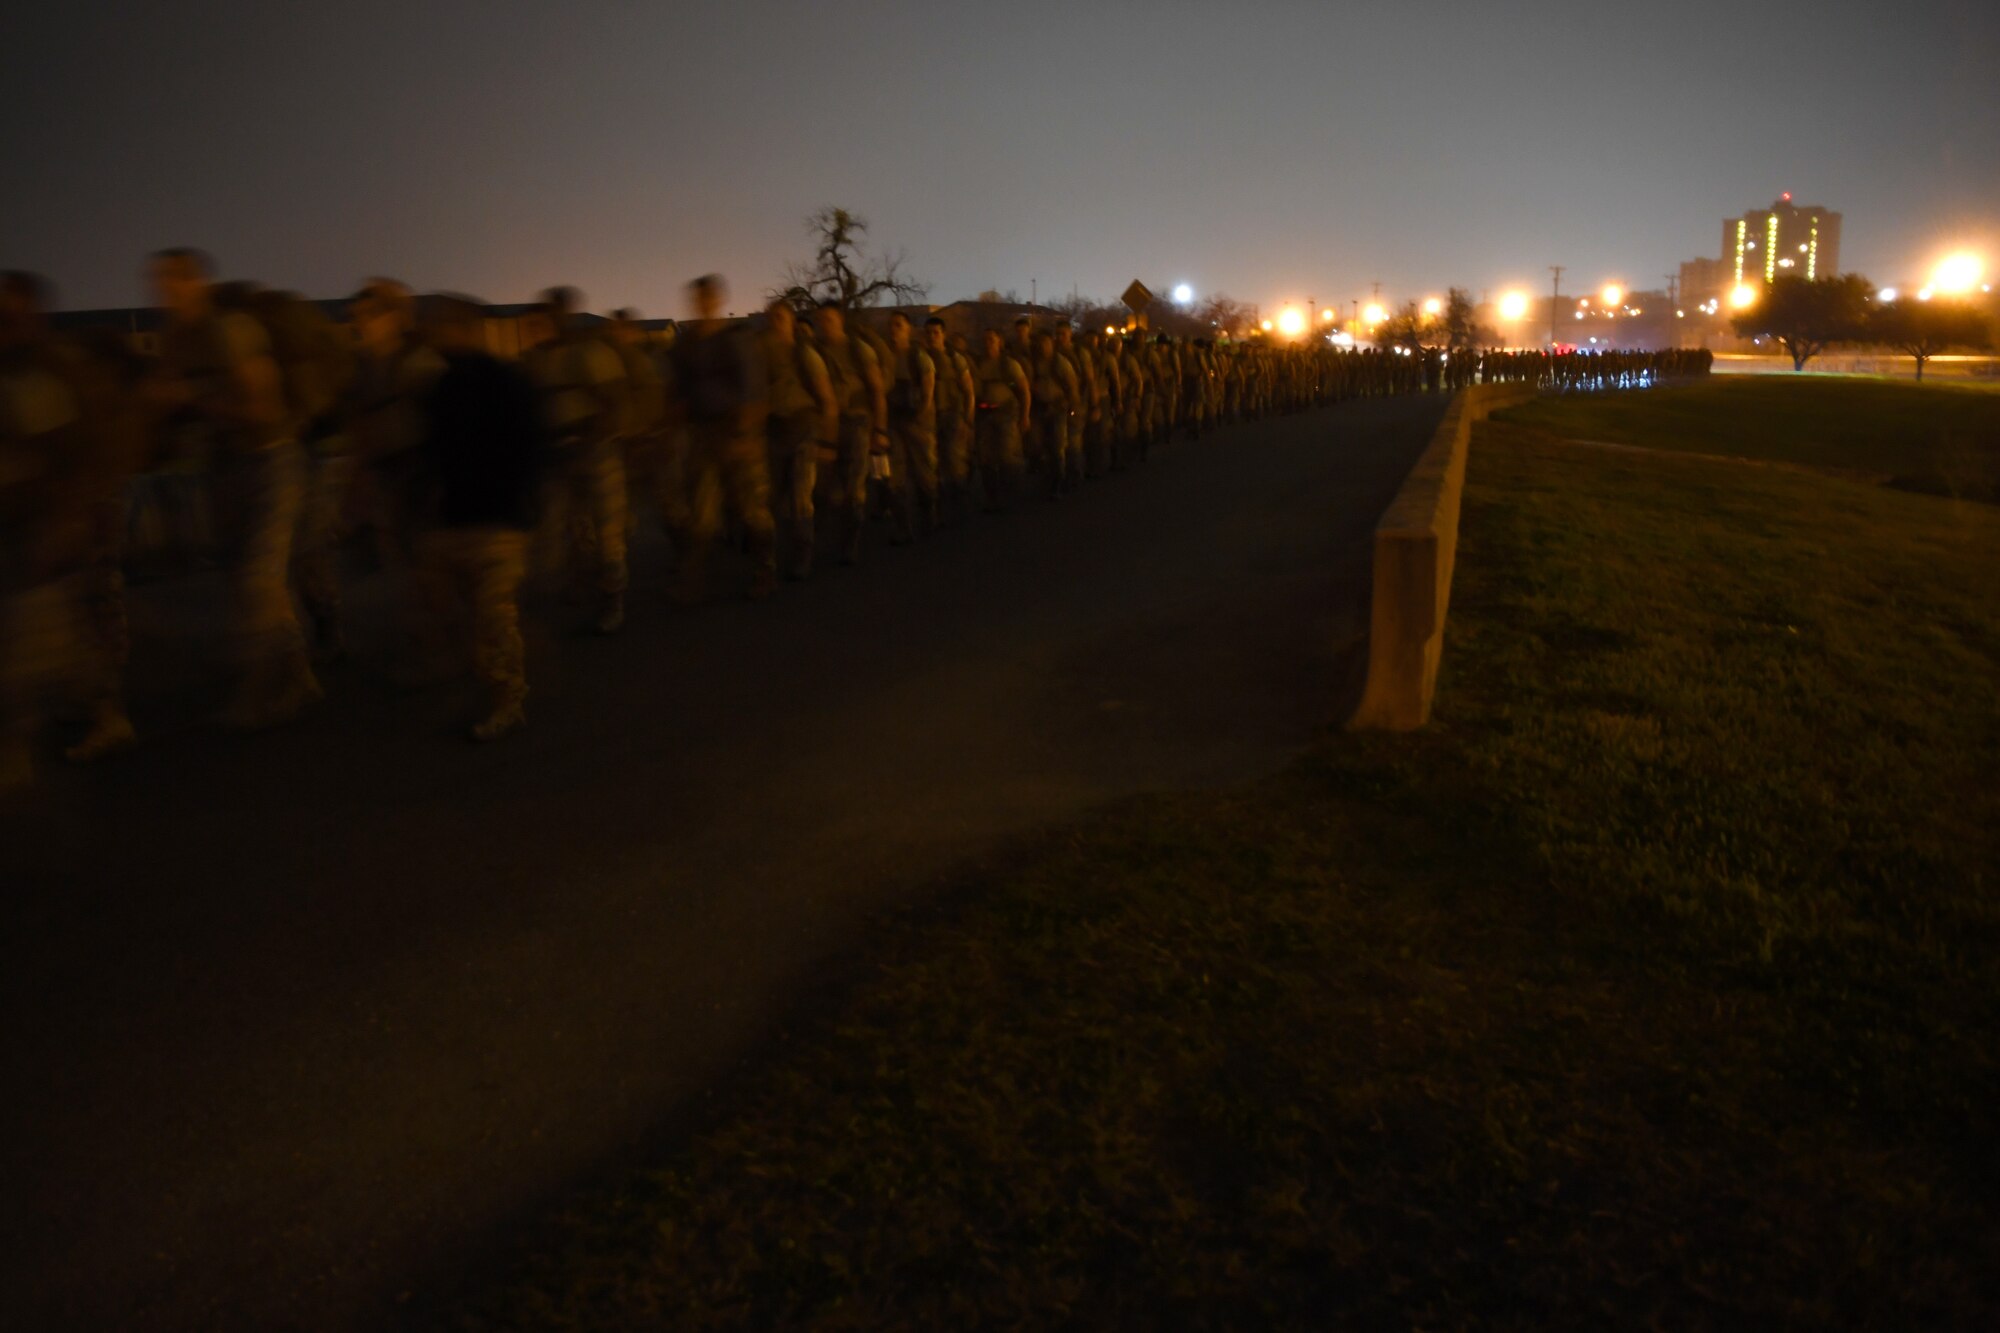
<point x="927" y="380"/>
<point x="970" y="394"/>
<point x="878" y="396"/>
<point x="256" y="393"/>
<point x="821" y="389"/>
<point x="1021" y="387"/>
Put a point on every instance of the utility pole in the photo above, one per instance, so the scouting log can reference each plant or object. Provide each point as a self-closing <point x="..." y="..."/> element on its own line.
<point x="1034" y="291"/>
<point x="1673" y="282"/>
<point x="1555" y="299"/>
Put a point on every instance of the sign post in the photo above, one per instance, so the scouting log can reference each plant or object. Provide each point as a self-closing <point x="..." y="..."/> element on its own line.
<point x="1136" y="299"/>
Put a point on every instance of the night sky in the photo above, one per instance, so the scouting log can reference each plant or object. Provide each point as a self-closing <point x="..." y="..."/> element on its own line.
<point x="1273" y="151"/>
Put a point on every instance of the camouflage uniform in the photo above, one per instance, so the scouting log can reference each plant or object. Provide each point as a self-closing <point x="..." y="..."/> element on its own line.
<point x="796" y="382"/>
<point x="1054" y="389"/>
<point x="855" y="375"/>
<point x="913" y="463"/>
<point x="257" y="448"/>
<point x="1002" y="388"/>
<point x="44" y="536"/>
<point x="583" y="390"/>
<point x="953" y="402"/>
<point x="719" y="379"/>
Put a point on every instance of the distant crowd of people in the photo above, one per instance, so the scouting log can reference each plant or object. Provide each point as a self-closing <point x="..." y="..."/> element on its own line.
<point x="792" y="434"/>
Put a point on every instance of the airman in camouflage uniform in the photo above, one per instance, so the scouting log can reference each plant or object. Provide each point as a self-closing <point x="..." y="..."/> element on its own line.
<point x="856" y="377"/>
<point x="1054" y="395"/>
<point x="53" y="459"/>
<point x="721" y="399"/>
<point x="1002" y="406"/>
<point x="217" y="380"/>
<point x="955" y="396"/>
<point x="583" y="388"/>
<point x="802" y="414"/>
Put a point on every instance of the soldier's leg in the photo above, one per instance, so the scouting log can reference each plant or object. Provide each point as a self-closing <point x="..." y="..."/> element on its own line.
<point x="673" y="493"/>
<point x="795" y="456"/>
<point x="901" y="486"/>
<point x="923" y="474"/>
<point x="950" y="466"/>
<point x="852" y="486"/>
<point x="701" y="477"/>
<point x="317" y="562"/>
<point x="36" y="631"/>
<point x="609" y="503"/>
<point x="108" y="640"/>
<point x="747" y="478"/>
<point x="494" y="563"/>
<point x="277" y="677"/>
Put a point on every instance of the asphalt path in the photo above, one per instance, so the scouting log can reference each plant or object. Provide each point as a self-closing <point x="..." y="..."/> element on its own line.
<point x="299" y="1022"/>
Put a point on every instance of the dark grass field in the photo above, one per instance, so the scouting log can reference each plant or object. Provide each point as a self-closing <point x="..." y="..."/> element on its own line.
<point x="1654" y="986"/>
<point x="1937" y="439"/>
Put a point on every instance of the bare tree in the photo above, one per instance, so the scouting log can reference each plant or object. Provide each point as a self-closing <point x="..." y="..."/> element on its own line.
<point x="843" y="272"/>
<point x="1226" y="316"/>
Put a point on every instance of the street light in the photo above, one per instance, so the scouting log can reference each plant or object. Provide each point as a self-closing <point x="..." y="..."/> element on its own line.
<point x="1326" y="317"/>
<point x="1374" y="314"/>
<point x="1612" y="293"/>
<point x="1956" y="274"/>
<point x="1290" y="322"/>
<point x="1743" y="296"/>
<point x="1886" y="294"/>
<point x="1266" y="326"/>
<point x="1433" y="306"/>
<point x="1514" y="306"/>
<point x="1183" y="294"/>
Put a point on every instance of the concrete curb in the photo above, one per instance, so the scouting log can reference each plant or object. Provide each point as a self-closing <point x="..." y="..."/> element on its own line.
<point x="1416" y="543"/>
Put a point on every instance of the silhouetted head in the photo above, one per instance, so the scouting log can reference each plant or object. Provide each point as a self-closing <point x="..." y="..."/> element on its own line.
<point x="181" y="277"/>
<point x="705" y="294"/>
<point x="24" y="301"/>
<point x="831" y="322"/>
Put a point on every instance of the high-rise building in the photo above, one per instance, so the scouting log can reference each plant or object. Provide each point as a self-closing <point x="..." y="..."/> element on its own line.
<point x="1784" y="240"/>
<point x="1704" y="280"/>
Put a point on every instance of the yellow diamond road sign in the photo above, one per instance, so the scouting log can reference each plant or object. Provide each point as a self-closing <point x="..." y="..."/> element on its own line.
<point x="1136" y="297"/>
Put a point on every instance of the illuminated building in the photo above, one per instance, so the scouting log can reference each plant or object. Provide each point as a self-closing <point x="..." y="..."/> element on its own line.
<point x="1784" y="240"/>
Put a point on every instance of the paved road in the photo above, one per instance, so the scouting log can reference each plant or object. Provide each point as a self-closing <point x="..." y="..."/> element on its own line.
<point x="299" y="1021"/>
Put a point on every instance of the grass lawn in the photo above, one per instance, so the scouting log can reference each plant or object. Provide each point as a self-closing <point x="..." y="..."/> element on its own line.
<point x="1657" y="985"/>
<point x="1939" y="439"/>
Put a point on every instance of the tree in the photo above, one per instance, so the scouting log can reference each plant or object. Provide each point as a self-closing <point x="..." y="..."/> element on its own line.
<point x="1460" y="329"/>
<point x="1408" y="326"/>
<point x="1087" y="313"/>
<point x="1922" y="329"/>
<point x="841" y="271"/>
<point x="1226" y="316"/>
<point x="1807" y="317"/>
